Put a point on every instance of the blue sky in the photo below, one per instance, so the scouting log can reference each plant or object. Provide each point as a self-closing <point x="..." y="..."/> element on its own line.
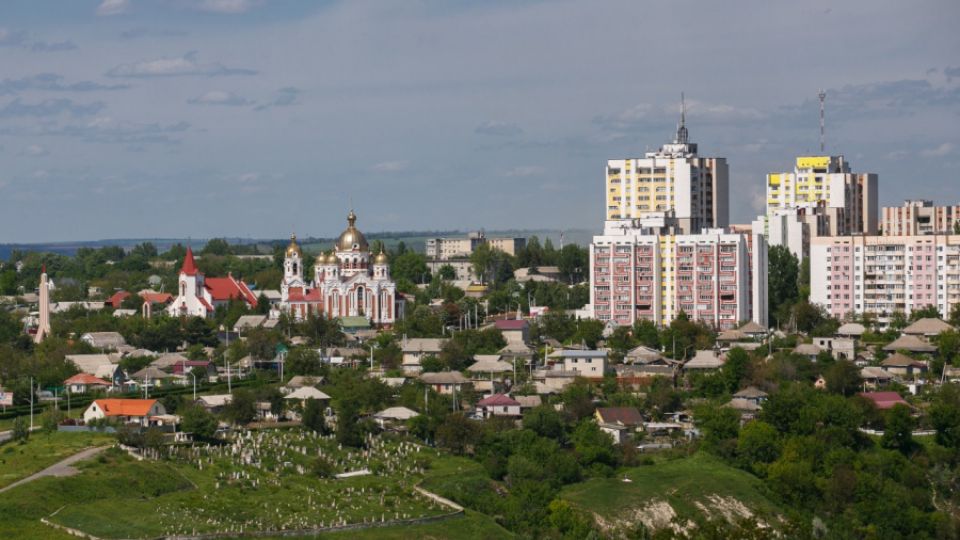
<point x="176" y="118"/>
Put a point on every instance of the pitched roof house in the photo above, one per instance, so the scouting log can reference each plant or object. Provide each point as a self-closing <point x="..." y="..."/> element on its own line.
<point x="124" y="410"/>
<point x="884" y="400"/>
<point x="498" y="405"/>
<point x="81" y="383"/>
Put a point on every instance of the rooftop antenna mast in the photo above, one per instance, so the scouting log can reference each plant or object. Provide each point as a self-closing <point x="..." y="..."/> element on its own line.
<point x="823" y="96"/>
<point x="682" y="137"/>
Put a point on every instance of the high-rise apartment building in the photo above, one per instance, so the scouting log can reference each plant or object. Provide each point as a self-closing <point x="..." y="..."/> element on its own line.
<point x="848" y="199"/>
<point x="673" y="185"/>
<point x="919" y="217"/>
<point x="638" y="273"/>
<point x="885" y="274"/>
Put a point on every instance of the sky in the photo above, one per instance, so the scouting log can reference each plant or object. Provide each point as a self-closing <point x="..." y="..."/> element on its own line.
<point x="257" y="118"/>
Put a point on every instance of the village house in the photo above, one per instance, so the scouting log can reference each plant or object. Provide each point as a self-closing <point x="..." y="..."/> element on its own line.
<point x="104" y="340"/>
<point x="214" y="403"/>
<point x="705" y="360"/>
<point x="394" y="417"/>
<point x="101" y="366"/>
<point x="149" y="377"/>
<point x="302" y="394"/>
<point x="903" y="366"/>
<point x="910" y="343"/>
<point x="618" y="422"/>
<point x="838" y="347"/>
<point x="874" y="377"/>
<point x="808" y="350"/>
<point x="444" y="382"/>
<point x="927" y="327"/>
<point x="498" y="405"/>
<point x="416" y="349"/>
<point x="513" y="331"/>
<point x="144" y="412"/>
<point x="850" y="330"/>
<point x="884" y="400"/>
<point x="528" y="402"/>
<point x="82" y="383"/>
<point x="589" y="364"/>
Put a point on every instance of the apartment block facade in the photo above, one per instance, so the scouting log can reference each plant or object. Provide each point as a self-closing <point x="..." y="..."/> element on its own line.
<point x="919" y="217"/>
<point x="643" y="274"/>
<point x="885" y="274"/>
<point x="454" y="248"/>
<point x="850" y="199"/>
<point x="673" y="184"/>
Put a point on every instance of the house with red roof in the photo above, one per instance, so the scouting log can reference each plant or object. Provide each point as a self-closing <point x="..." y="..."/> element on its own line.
<point x="199" y="295"/>
<point x="126" y="411"/>
<point x="498" y="405"/>
<point x="884" y="400"/>
<point x="81" y="383"/>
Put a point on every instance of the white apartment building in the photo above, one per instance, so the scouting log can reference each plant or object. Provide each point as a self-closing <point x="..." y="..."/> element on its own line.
<point x="919" y="217"/>
<point x="885" y="274"/>
<point x="638" y="273"/>
<point x="673" y="186"/>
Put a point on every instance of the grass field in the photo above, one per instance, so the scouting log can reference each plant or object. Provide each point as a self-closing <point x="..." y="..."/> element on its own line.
<point x="42" y="450"/>
<point x="692" y="489"/>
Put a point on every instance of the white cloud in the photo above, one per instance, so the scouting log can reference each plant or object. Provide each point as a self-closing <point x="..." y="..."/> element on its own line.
<point x="526" y="170"/>
<point x="285" y="97"/>
<point x="940" y="151"/>
<point x="172" y="67"/>
<point x="225" y="6"/>
<point x="34" y="150"/>
<point x="219" y="97"/>
<point x="112" y="7"/>
<point x="390" y="166"/>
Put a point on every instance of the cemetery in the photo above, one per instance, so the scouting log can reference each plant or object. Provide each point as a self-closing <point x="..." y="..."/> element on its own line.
<point x="263" y="481"/>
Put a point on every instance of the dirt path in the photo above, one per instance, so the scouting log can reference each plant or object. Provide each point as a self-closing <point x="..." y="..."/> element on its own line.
<point x="61" y="468"/>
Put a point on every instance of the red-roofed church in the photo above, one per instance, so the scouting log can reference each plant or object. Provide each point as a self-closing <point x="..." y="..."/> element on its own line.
<point x="199" y="296"/>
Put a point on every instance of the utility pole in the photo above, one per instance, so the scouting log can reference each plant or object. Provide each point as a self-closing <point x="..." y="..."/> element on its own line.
<point x="31" y="403"/>
<point x="823" y="96"/>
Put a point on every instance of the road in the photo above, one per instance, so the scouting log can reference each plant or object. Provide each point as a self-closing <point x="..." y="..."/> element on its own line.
<point x="61" y="468"/>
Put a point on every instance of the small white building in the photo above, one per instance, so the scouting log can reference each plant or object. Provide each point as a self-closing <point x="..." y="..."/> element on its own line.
<point x="139" y="411"/>
<point x="498" y="405"/>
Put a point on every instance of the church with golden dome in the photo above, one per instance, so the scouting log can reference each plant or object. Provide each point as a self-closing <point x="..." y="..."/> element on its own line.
<point x="348" y="281"/>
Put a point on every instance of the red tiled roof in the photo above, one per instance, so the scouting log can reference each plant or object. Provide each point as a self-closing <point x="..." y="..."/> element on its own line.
<point x="86" y="378"/>
<point x="296" y="294"/>
<point x="498" y="400"/>
<point x="189" y="265"/>
<point x="125" y="407"/>
<point x="884" y="400"/>
<point x="511" y="324"/>
<point x="118" y="298"/>
<point x="156" y="298"/>
<point x="223" y="289"/>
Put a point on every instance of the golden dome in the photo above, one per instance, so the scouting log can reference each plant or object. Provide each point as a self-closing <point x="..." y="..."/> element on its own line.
<point x="332" y="258"/>
<point x="381" y="258"/>
<point x="352" y="239"/>
<point x="293" y="247"/>
<point x="321" y="258"/>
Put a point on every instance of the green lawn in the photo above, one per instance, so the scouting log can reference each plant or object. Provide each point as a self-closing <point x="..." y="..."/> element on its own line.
<point x="42" y="450"/>
<point x="696" y="488"/>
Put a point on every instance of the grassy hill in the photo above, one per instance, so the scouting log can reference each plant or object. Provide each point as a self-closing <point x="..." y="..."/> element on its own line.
<point x="674" y="493"/>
